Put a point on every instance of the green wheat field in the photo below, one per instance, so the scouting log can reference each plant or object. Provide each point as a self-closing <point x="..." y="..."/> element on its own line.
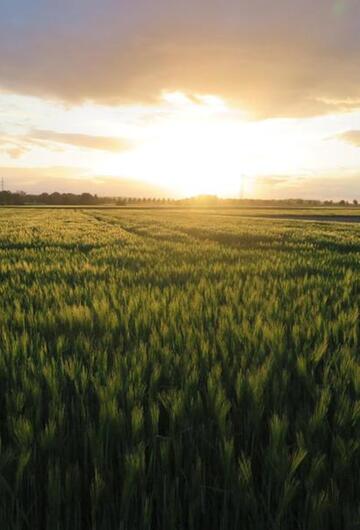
<point x="178" y="370"/>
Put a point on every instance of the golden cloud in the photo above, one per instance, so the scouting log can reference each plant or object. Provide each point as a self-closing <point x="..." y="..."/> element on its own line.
<point x="86" y="141"/>
<point x="351" y="137"/>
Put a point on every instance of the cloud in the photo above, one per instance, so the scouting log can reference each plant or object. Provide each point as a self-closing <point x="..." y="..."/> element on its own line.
<point x="15" y="152"/>
<point x="75" y="180"/>
<point x="11" y="147"/>
<point x="332" y="186"/>
<point x="279" y="58"/>
<point x="15" y="146"/>
<point x="351" y="137"/>
<point x="103" y="143"/>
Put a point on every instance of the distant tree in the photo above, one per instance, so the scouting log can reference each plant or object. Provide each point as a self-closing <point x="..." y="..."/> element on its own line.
<point x="43" y="198"/>
<point x="355" y="202"/>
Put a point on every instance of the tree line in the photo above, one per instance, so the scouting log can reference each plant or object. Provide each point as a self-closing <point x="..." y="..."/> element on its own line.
<point x="69" y="199"/>
<point x="87" y="199"/>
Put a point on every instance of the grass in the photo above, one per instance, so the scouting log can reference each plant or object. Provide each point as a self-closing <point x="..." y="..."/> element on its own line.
<point x="178" y="370"/>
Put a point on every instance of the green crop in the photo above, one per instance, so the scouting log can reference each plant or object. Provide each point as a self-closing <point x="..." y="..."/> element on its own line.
<point x="178" y="370"/>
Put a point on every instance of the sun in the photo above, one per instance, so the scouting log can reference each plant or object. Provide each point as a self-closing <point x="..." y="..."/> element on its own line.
<point x="193" y="148"/>
<point x="193" y="159"/>
<point x="198" y="145"/>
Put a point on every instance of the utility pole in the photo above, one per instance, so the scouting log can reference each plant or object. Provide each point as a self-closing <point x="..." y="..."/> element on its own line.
<point x="2" y="184"/>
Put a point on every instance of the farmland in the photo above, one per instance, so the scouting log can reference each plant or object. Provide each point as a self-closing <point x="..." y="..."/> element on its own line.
<point x="176" y="370"/>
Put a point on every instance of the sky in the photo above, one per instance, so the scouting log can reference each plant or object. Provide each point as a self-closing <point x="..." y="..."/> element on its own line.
<point x="254" y="98"/>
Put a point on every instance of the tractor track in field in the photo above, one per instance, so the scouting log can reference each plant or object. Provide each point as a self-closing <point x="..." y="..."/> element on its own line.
<point x="318" y="218"/>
